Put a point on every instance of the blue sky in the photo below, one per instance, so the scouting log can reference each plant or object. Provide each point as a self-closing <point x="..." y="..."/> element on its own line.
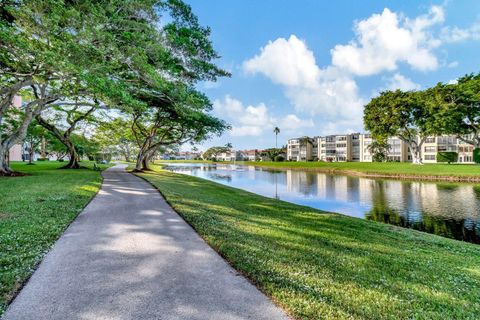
<point x="309" y="66"/>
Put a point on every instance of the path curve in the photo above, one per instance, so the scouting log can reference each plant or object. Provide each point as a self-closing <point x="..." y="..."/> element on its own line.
<point x="128" y="255"/>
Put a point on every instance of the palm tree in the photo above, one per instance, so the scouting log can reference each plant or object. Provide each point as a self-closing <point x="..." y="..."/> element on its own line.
<point x="276" y="130"/>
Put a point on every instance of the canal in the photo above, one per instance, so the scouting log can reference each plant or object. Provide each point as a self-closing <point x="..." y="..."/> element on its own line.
<point x="446" y="209"/>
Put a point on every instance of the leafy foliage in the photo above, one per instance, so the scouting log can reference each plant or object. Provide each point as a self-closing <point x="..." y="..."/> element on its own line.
<point x="379" y="150"/>
<point x="448" y="157"/>
<point x="213" y="152"/>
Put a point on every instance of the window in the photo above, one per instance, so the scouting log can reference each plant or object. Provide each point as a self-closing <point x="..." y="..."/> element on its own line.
<point x="430" y="140"/>
<point x="430" y="149"/>
<point x="430" y="157"/>
<point x="341" y="145"/>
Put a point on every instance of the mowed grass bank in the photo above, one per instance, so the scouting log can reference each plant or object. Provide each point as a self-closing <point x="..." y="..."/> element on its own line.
<point x="320" y="265"/>
<point x="460" y="172"/>
<point x="34" y="211"/>
<point x="380" y="168"/>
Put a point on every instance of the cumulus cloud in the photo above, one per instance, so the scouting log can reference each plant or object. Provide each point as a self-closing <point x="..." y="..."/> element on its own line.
<point x="290" y="63"/>
<point x="286" y="62"/>
<point x="398" y="81"/>
<point x="254" y="120"/>
<point x="383" y="40"/>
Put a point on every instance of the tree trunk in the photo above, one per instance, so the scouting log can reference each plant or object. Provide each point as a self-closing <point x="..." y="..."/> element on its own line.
<point x="30" y="154"/>
<point x="5" y="169"/>
<point x="43" y="148"/>
<point x="145" y="165"/>
<point x="73" y="163"/>
<point x="139" y="162"/>
<point x="416" y="154"/>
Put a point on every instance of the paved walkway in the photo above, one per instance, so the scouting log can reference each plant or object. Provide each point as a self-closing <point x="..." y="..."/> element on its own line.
<point x="128" y="255"/>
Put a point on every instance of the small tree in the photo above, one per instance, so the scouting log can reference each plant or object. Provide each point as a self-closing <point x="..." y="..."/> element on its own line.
<point x="448" y="157"/>
<point x="273" y="153"/>
<point x="213" y="152"/>
<point x="35" y="134"/>
<point x="379" y="150"/>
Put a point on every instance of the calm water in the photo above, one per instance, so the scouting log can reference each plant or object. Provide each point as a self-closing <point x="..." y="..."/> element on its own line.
<point x="449" y="210"/>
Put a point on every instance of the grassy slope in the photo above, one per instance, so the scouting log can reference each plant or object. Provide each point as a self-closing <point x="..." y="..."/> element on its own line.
<point x="388" y="168"/>
<point x="34" y="212"/>
<point x="319" y="265"/>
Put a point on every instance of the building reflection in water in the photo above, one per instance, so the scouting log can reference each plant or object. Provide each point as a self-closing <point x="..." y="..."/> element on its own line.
<point x="446" y="209"/>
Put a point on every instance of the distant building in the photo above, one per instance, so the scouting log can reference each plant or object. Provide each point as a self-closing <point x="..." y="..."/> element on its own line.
<point x="251" y="155"/>
<point x="231" y="155"/>
<point x="355" y="147"/>
<point x="301" y="149"/>
<point x="186" y="155"/>
<point x="16" y="153"/>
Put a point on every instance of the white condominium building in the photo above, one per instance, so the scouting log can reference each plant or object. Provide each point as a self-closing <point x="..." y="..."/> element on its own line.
<point x="301" y="149"/>
<point x="355" y="147"/>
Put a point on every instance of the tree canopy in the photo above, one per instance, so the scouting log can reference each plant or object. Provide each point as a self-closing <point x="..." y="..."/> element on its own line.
<point x="140" y="57"/>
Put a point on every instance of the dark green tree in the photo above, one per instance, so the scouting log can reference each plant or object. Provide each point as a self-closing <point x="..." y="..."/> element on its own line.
<point x="400" y="114"/>
<point x="457" y="108"/>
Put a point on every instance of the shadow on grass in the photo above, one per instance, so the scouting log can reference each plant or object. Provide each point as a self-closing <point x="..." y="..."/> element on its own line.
<point x="318" y="264"/>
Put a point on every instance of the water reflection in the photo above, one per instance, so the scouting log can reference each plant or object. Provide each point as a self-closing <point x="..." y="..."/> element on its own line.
<point x="449" y="210"/>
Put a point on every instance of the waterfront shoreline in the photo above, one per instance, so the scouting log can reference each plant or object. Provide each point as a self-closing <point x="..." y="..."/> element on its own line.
<point x="332" y="168"/>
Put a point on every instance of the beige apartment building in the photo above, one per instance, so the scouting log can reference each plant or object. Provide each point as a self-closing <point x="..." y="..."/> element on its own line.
<point x="445" y="143"/>
<point x="355" y="147"/>
<point x="301" y="149"/>
<point x="15" y="152"/>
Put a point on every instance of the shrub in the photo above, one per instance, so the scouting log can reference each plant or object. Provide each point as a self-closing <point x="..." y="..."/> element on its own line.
<point x="476" y="155"/>
<point x="60" y="160"/>
<point x="43" y="159"/>
<point x="279" y="158"/>
<point x="447" y="157"/>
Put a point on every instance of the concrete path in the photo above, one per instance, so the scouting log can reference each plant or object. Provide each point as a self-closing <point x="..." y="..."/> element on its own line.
<point x="128" y="255"/>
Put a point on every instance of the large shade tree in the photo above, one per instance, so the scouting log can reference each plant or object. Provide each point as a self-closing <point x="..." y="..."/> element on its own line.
<point x="456" y="108"/>
<point x="173" y="111"/>
<point x="401" y="114"/>
<point x="95" y="50"/>
<point x="167" y="123"/>
<point x="45" y="47"/>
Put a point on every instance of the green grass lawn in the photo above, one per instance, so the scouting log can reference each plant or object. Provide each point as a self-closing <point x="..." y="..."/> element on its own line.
<point x="320" y="265"/>
<point x="381" y="168"/>
<point x="34" y="211"/>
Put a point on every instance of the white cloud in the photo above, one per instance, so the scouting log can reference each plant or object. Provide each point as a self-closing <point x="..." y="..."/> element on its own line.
<point x="383" y="40"/>
<point x="398" y="81"/>
<point x="310" y="89"/>
<point x="255" y="120"/>
<point x="456" y="34"/>
<point x="286" y="62"/>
